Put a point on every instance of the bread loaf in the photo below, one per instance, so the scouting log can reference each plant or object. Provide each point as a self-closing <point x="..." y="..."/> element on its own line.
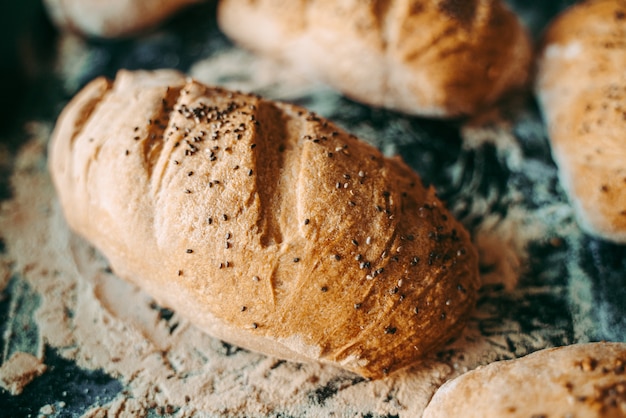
<point x="581" y="381"/>
<point x="111" y="18"/>
<point x="438" y="58"/>
<point x="581" y="88"/>
<point x="263" y="224"/>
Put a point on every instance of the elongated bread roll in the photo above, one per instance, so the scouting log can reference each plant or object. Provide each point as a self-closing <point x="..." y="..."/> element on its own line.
<point x="581" y="87"/>
<point x="428" y="57"/>
<point x="262" y="223"/>
<point x="581" y="381"/>
<point x="112" y="18"/>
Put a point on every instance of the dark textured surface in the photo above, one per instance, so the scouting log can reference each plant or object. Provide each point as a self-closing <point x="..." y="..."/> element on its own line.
<point x="64" y="382"/>
<point x="541" y="303"/>
<point x="606" y="262"/>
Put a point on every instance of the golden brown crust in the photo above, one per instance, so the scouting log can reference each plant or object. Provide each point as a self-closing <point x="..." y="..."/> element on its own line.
<point x="111" y="18"/>
<point x="581" y="86"/>
<point x="582" y="381"/>
<point x="437" y="58"/>
<point x="262" y="223"/>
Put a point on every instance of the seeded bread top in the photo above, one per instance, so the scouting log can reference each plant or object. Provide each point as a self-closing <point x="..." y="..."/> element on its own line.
<point x="264" y="224"/>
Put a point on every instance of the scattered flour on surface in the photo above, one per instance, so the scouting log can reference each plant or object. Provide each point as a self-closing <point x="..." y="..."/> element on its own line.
<point x="90" y="316"/>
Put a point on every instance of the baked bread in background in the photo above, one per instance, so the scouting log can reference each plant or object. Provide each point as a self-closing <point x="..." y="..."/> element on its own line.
<point x="582" y="381"/>
<point x="581" y="88"/>
<point x="111" y="18"/>
<point x="439" y="58"/>
<point x="263" y="224"/>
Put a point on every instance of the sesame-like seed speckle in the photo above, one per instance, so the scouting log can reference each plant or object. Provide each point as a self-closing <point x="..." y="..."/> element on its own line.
<point x="390" y="330"/>
<point x="189" y="250"/>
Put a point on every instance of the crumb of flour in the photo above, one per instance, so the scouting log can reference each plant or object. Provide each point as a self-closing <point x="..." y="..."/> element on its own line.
<point x="19" y="371"/>
<point x="47" y="410"/>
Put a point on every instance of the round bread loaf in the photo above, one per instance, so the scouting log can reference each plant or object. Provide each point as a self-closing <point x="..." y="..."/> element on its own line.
<point x="581" y="87"/>
<point x="262" y="223"/>
<point x="578" y="381"/>
<point x="438" y="58"/>
<point x="111" y="18"/>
